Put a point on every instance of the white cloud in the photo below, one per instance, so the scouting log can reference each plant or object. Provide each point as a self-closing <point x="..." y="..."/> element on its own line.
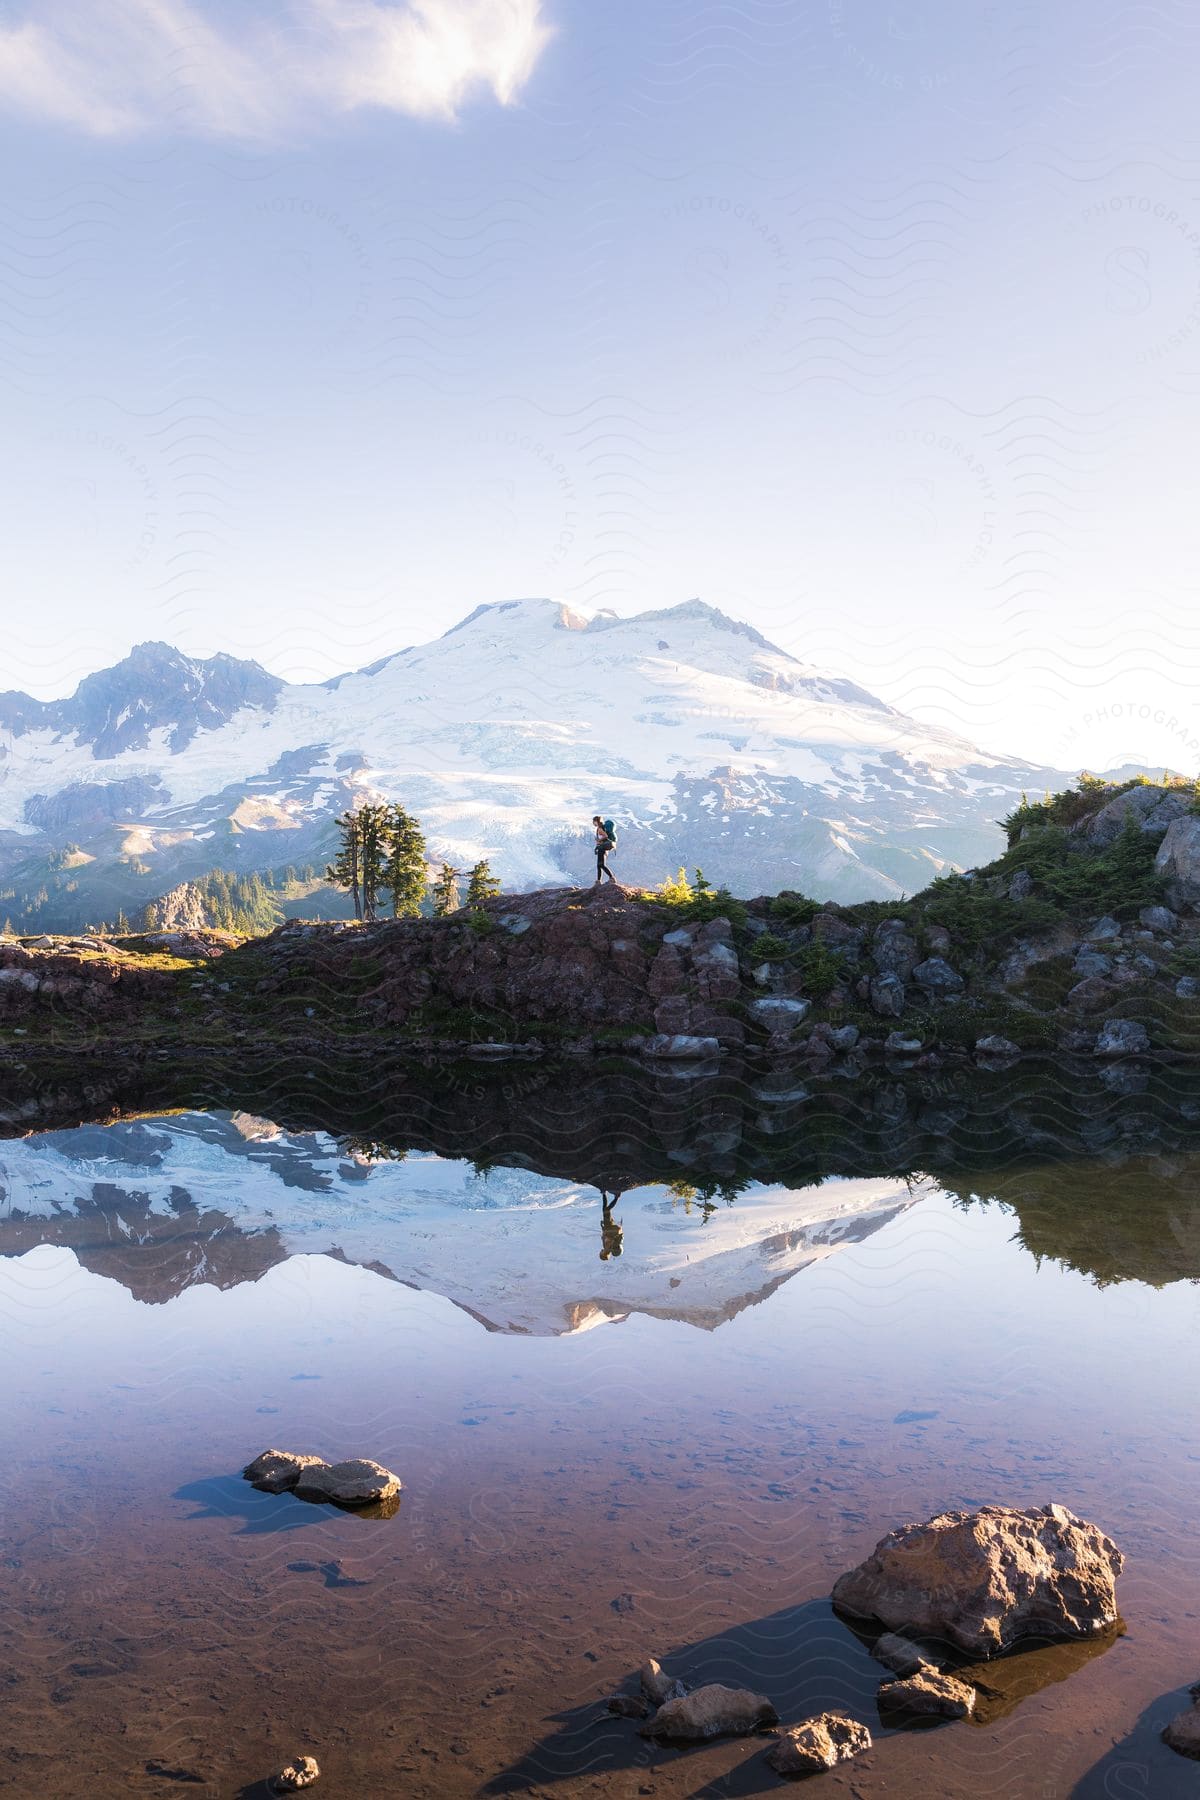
<point x="117" y="67"/>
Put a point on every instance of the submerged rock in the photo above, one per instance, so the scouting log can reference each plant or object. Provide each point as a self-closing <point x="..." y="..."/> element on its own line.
<point x="297" y="1775"/>
<point x="712" y="1711"/>
<point x="819" y="1743"/>
<point x="995" y="1045"/>
<point x="628" y="1706"/>
<point x="899" y="1654"/>
<point x="988" y="1579"/>
<point x="928" y="1694"/>
<point x="679" y="1045"/>
<point x="1183" y="1733"/>
<point x="358" y="1482"/>
<point x="276" y="1471"/>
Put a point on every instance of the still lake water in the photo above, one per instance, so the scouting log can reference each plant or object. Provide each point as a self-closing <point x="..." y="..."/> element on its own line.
<point x="661" y="1426"/>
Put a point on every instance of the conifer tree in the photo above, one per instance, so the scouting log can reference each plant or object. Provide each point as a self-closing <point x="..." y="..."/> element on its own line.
<point x="344" y="870"/>
<point x="404" y="876"/>
<point x="482" y="886"/>
<point x="372" y="855"/>
<point x="445" y="891"/>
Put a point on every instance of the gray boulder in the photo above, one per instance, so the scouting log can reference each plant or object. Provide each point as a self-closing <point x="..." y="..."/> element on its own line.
<point x="843" y="1038"/>
<point x="679" y="1046"/>
<point x="1106" y="826"/>
<point x="713" y="1711"/>
<point x="1158" y="918"/>
<point x="1104" y="930"/>
<point x="1122" y="1037"/>
<point x="887" y="996"/>
<point x="1178" y="862"/>
<point x="817" y="1744"/>
<point x="898" y="1043"/>
<point x="1021" y="885"/>
<point x="995" y="1045"/>
<point x="937" y="977"/>
<point x="1188" y="987"/>
<point x="894" y="951"/>
<point x="1092" y="962"/>
<point x="779" y="1013"/>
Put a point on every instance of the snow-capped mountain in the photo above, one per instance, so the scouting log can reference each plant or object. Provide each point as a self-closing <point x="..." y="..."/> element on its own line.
<point x="707" y="744"/>
<point x="164" y="1204"/>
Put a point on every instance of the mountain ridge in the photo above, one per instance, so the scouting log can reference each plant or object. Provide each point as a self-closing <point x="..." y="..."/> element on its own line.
<point x="708" y="743"/>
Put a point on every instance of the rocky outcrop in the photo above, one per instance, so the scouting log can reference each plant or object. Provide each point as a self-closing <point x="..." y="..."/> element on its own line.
<point x="1178" y="862"/>
<point x="986" y="1580"/>
<point x="817" y="1744"/>
<point x="712" y="1711"/>
<point x="181" y="909"/>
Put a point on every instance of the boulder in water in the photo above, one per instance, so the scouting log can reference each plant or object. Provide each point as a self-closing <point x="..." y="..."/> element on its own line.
<point x="819" y="1743"/>
<point x="710" y="1712"/>
<point x="359" y="1482"/>
<point x="927" y="1694"/>
<point x="985" y="1580"/>
<point x="277" y="1471"/>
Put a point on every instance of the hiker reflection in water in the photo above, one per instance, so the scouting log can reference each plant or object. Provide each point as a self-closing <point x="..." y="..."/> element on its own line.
<point x="611" y="1232"/>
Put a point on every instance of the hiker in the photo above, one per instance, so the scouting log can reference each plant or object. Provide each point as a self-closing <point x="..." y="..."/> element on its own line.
<point x="606" y="839"/>
<point x="611" y="1232"/>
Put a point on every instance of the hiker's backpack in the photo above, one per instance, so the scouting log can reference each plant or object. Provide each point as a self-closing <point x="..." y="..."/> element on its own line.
<point x="610" y="831"/>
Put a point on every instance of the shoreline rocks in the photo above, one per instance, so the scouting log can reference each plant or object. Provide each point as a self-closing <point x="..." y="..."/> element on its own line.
<point x="986" y="1580"/>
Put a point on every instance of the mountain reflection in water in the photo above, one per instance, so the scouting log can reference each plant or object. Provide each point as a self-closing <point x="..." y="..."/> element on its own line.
<point x="841" y="1305"/>
<point x="570" y="1207"/>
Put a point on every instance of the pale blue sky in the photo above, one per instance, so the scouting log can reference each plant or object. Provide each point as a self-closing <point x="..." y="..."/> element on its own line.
<point x="876" y="325"/>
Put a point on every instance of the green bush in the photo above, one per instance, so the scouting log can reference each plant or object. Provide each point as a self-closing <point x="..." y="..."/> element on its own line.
<point x="817" y="969"/>
<point x="793" y="908"/>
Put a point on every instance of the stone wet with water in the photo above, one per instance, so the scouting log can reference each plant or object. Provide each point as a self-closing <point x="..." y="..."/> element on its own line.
<point x="926" y="1694"/>
<point x="712" y="1711"/>
<point x="985" y="1580"/>
<point x="899" y="1654"/>
<point x="278" y="1471"/>
<point x="359" y="1482"/>
<point x="817" y="1744"/>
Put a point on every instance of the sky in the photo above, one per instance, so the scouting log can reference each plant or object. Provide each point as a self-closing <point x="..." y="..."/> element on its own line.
<point x="875" y="325"/>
